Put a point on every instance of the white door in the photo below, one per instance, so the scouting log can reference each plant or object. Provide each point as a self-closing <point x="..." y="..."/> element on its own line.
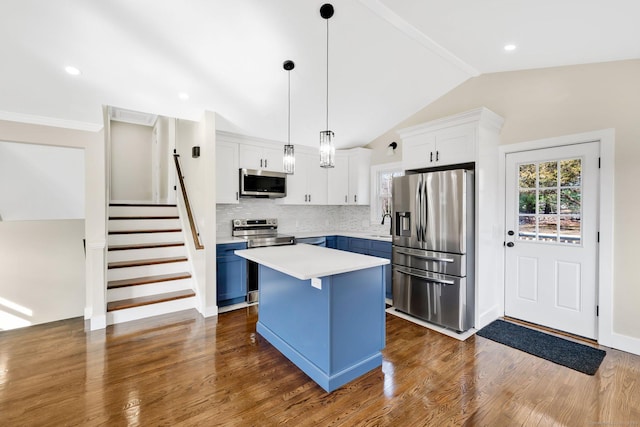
<point x="552" y="232"/>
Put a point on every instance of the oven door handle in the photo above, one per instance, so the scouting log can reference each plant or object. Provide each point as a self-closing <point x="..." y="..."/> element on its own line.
<point x="419" y="255"/>
<point x="425" y="275"/>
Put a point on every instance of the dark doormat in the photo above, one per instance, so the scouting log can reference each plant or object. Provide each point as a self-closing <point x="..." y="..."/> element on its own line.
<point x="576" y="356"/>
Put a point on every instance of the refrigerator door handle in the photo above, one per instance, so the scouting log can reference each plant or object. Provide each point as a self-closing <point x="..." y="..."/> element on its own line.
<point x="425" y="210"/>
<point x="417" y="254"/>
<point x="425" y="275"/>
<point x="418" y="220"/>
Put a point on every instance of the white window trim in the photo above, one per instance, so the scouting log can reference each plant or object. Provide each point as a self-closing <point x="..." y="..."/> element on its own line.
<point x="375" y="171"/>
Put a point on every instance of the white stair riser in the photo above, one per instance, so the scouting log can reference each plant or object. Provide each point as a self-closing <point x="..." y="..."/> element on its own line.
<point x="136" y="254"/>
<point x="131" y="239"/>
<point x="126" y="315"/>
<point x="146" y="270"/>
<point x="143" y="224"/>
<point x="142" y="210"/>
<point x="146" y="290"/>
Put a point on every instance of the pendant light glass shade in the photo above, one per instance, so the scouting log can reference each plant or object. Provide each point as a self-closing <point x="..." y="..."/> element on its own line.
<point x="288" y="159"/>
<point x="327" y="149"/>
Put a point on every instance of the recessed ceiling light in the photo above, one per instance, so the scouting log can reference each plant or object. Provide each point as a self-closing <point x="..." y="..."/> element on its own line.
<point x="72" y="70"/>
<point x="183" y="95"/>
<point x="509" y="47"/>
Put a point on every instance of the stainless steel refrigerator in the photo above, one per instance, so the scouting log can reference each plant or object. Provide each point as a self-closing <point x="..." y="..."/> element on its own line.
<point x="433" y="245"/>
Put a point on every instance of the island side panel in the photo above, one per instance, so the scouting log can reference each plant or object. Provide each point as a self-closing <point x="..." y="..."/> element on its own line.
<point x="296" y="315"/>
<point x="333" y="334"/>
<point x="357" y="319"/>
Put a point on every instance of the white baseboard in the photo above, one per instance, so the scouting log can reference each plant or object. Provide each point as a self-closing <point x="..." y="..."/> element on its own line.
<point x="98" y="322"/>
<point x="625" y="343"/>
<point x="487" y="317"/>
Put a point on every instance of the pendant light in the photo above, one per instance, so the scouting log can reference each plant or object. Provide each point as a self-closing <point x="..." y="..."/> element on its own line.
<point x="289" y="160"/>
<point x="327" y="149"/>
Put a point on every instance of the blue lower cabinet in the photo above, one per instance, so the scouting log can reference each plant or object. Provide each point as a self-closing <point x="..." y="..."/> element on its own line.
<point x="359" y="246"/>
<point x="332" y="242"/>
<point x="342" y="243"/>
<point x="231" y="274"/>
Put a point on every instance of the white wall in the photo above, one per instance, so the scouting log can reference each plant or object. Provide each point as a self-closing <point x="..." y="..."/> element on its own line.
<point x="42" y="259"/>
<point x="41" y="182"/>
<point x="41" y="272"/>
<point x="551" y="102"/>
<point x="199" y="174"/>
<point x="131" y="160"/>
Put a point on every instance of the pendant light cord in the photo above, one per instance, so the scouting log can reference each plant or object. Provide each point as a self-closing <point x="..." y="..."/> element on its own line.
<point x="327" y="128"/>
<point x="289" y="114"/>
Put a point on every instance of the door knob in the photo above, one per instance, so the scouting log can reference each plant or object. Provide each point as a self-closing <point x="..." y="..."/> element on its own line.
<point x="510" y="244"/>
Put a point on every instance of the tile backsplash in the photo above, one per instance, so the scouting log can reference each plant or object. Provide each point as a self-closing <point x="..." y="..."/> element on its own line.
<point x="299" y="218"/>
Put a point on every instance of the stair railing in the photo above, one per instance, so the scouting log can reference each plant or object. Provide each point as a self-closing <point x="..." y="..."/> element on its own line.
<point x="185" y="197"/>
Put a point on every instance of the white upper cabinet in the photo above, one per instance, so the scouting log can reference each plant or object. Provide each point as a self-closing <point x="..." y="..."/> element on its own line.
<point x="359" y="176"/>
<point x="442" y="142"/>
<point x="338" y="180"/>
<point x="261" y="156"/>
<point x="308" y="185"/>
<point x="227" y="177"/>
<point x="349" y="180"/>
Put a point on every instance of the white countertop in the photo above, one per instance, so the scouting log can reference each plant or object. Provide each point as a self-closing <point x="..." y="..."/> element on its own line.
<point x="305" y="262"/>
<point x="302" y="234"/>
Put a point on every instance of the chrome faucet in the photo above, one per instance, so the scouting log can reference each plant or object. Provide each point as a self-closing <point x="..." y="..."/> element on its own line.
<point x="384" y="215"/>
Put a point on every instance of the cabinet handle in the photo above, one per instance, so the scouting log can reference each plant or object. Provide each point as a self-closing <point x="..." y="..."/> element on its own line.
<point x="260" y="163"/>
<point x="355" y="198"/>
<point x="265" y="163"/>
<point x="437" y="156"/>
<point x="305" y="197"/>
<point x="345" y="198"/>
<point x="431" y="156"/>
<point x="236" y="195"/>
<point x="309" y="197"/>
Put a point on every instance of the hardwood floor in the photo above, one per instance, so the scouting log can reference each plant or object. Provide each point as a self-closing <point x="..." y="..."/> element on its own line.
<point x="181" y="369"/>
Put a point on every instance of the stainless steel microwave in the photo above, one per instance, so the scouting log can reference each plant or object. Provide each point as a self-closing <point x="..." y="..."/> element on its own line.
<point x="261" y="183"/>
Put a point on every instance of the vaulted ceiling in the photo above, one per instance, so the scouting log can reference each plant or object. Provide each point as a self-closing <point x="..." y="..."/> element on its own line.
<point x="387" y="58"/>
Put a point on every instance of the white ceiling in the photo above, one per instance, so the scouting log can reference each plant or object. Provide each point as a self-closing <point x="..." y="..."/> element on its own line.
<point x="387" y="59"/>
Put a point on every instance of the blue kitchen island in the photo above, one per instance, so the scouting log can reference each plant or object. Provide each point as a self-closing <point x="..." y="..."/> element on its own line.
<point x="324" y="309"/>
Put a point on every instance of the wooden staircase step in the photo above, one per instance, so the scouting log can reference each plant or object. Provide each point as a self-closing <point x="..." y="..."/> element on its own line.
<point x="147" y="279"/>
<point x="144" y="217"/>
<point x="151" y="261"/>
<point x="152" y="299"/>
<point x="165" y="230"/>
<point x="144" y="204"/>
<point x="145" y="246"/>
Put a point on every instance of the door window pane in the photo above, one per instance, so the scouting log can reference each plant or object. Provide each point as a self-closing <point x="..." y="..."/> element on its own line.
<point x="527" y="176"/>
<point x="548" y="174"/>
<point x="547" y="202"/>
<point x="550" y="201"/>
<point x="570" y="172"/>
<point x="548" y="228"/>
<point x="570" y="200"/>
<point x="527" y="201"/>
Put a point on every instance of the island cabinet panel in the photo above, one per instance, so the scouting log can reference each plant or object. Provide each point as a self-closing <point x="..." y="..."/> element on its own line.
<point x="332" y="242"/>
<point x="231" y="274"/>
<point x="373" y="248"/>
<point x="334" y="334"/>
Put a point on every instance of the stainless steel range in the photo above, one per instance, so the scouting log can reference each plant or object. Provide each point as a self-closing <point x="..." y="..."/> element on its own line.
<point x="258" y="233"/>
